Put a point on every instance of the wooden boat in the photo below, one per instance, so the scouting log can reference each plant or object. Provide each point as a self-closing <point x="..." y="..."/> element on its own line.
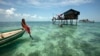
<point x="9" y="36"/>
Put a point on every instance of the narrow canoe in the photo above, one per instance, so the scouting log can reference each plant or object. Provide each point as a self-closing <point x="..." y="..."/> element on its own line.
<point x="9" y="36"/>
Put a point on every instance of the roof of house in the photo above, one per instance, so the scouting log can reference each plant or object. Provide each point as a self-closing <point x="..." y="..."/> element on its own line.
<point x="71" y="11"/>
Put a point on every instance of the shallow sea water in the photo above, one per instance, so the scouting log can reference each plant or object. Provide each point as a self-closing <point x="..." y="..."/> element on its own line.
<point x="52" y="40"/>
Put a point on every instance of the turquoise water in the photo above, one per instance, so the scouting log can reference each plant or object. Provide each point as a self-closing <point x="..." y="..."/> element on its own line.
<point x="52" y="40"/>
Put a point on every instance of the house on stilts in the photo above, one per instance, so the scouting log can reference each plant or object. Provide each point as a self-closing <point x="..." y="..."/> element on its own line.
<point x="67" y="17"/>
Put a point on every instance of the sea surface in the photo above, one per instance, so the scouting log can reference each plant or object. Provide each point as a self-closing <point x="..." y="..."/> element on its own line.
<point x="52" y="40"/>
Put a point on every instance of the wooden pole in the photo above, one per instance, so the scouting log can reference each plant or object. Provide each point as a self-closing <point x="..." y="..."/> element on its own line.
<point x="54" y="21"/>
<point x="66" y="22"/>
<point x="61" y="22"/>
<point x="70" y="22"/>
<point x="76" y="21"/>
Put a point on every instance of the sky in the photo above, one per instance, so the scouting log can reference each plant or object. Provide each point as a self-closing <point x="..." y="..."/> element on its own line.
<point x="44" y="10"/>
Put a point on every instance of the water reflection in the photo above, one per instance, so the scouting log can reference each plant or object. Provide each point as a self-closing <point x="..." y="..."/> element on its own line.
<point x="11" y="48"/>
<point x="50" y="40"/>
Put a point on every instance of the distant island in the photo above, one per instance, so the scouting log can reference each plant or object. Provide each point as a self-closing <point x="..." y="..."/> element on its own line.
<point x="86" y="21"/>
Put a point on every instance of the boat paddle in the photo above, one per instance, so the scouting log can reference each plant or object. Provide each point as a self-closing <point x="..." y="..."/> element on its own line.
<point x="27" y="29"/>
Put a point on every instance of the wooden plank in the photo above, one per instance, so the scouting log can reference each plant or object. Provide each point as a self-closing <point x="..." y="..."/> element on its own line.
<point x="7" y="34"/>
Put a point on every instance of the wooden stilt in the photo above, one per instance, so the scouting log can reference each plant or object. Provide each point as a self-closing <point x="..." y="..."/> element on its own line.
<point x="76" y="21"/>
<point x="61" y="24"/>
<point x="53" y="21"/>
<point x="66" y="22"/>
<point x="61" y="21"/>
<point x="72" y="21"/>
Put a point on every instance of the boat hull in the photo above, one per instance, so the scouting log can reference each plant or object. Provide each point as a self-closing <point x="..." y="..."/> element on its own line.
<point x="11" y="38"/>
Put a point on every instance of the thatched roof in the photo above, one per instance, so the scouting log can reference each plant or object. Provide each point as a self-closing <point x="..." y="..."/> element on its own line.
<point x="71" y="11"/>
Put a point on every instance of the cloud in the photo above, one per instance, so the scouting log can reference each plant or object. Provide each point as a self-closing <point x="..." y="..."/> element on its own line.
<point x="32" y="17"/>
<point x="44" y="3"/>
<point x="10" y="14"/>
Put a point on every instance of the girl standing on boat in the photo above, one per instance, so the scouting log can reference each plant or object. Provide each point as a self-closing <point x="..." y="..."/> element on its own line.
<point x="25" y="26"/>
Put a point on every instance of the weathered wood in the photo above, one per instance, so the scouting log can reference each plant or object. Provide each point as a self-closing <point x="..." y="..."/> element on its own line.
<point x="7" y="34"/>
<point x="10" y="36"/>
<point x="68" y="15"/>
<point x="76" y="21"/>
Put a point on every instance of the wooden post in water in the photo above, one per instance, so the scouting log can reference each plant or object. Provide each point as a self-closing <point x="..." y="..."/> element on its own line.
<point x="76" y="21"/>
<point x="64" y="22"/>
<point x="68" y="18"/>
<point x="61" y="25"/>
<point x="67" y="22"/>
<point x="61" y="22"/>
<point x="70" y="22"/>
<point x="53" y="20"/>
